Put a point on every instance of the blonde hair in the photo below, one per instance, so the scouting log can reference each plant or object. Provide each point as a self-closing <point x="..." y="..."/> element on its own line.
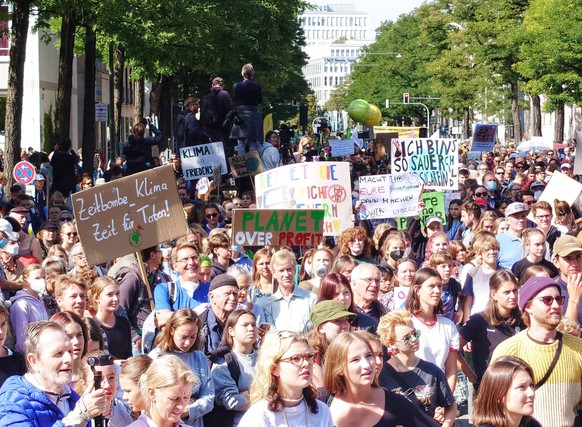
<point x="65" y="281"/>
<point x="98" y="285"/>
<point x="388" y="324"/>
<point x="27" y="270"/>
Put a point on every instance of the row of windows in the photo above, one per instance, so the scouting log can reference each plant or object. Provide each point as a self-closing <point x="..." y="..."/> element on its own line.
<point x="334" y="21"/>
<point x="350" y="53"/>
<point x="327" y="81"/>
<point x="335" y="68"/>
<point x="336" y="34"/>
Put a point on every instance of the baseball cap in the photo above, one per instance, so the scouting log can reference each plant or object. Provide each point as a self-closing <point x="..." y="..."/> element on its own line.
<point x="565" y="245"/>
<point x="480" y="202"/>
<point x="514" y="208"/>
<point x="328" y="310"/>
<point x="537" y="184"/>
<point x="6" y="227"/>
<point x="566" y="165"/>
<point x="533" y="286"/>
<point x="431" y="219"/>
<point x="39" y="177"/>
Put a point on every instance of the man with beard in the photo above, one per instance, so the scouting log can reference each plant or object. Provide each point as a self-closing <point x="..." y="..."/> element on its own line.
<point x="41" y="397"/>
<point x="568" y="259"/>
<point x="556" y="358"/>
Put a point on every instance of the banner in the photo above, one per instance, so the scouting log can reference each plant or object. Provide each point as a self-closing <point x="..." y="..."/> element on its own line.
<point x="246" y="164"/>
<point x="389" y="196"/>
<point x="319" y="185"/>
<point x="435" y="161"/>
<point x="560" y="187"/>
<point x="129" y="214"/>
<point x="281" y="227"/>
<point x="199" y="160"/>
<point x="340" y="148"/>
<point x="434" y="204"/>
<point x="484" y="137"/>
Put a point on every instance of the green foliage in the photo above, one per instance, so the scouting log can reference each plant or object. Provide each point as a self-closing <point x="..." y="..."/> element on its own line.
<point x="48" y="126"/>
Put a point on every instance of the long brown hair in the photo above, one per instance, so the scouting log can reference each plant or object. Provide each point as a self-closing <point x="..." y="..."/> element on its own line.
<point x="183" y="316"/>
<point x="412" y="303"/>
<point x="491" y="312"/>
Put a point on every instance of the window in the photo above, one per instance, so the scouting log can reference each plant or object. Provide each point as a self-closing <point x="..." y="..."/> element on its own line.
<point x="4" y="36"/>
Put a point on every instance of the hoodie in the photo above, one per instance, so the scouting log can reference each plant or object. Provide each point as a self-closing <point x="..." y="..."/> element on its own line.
<point x="25" y="309"/>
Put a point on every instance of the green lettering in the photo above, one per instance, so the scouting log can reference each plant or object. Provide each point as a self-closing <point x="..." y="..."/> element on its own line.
<point x="258" y="222"/>
<point x="317" y="217"/>
<point x="300" y="221"/>
<point x="246" y="217"/>
<point x="287" y="221"/>
<point x="273" y="223"/>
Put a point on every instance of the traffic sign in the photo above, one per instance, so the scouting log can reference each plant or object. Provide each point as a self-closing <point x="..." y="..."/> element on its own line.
<point x="24" y="172"/>
<point x="406" y="98"/>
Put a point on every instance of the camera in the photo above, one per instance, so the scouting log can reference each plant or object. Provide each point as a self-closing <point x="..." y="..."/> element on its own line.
<point x="105" y="360"/>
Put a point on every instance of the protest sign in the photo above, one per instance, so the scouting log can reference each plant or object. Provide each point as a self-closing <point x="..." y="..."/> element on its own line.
<point x="324" y="185"/>
<point x="246" y="164"/>
<point x="199" y="160"/>
<point x="560" y="187"/>
<point x="344" y="147"/>
<point x="578" y="159"/>
<point x="484" y="137"/>
<point x="400" y="295"/>
<point x="448" y="198"/>
<point x="435" y="161"/>
<point x="389" y="196"/>
<point x="202" y="186"/>
<point x="129" y="214"/>
<point x="281" y="227"/>
<point x="434" y="204"/>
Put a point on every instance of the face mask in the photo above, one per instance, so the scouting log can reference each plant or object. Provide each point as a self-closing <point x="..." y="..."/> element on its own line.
<point x="236" y="248"/>
<point x="12" y="249"/>
<point x="320" y="270"/>
<point x="307" y="268"/>
<point x="38" y="285"/>
<point x="397" y="254"/>
<point x="491" y="186"/>
<point x="3" y="243"/>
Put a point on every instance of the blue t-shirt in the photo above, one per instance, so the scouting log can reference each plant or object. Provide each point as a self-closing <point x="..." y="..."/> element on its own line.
<point x="182" y="299"/>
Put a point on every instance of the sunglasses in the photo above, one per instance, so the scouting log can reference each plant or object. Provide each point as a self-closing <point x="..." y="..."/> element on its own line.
<point x="408" y="338"/>
<point x="481" y="194"/>
<point x="298" y="359"/>
<point x="74" y="234"/>
<point x="549" y="300"/>
<point x="211" y="215"/>
<point x="66" y="219"/>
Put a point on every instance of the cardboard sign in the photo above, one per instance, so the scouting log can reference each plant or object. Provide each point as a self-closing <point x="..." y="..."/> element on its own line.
<point x="400" y="295"/>
<point x="324" y="185"/>
<point x="199" y="160"/>
<point x="484" y="137"/>
<point x="246" y="164"/>
<point x="281" y="227"/>
<point x="434" y="205"/>
<point x="129" y="214"/>
<point x="435" y="161"/>
<point x="344" y="147"/>
<point x="560" y="187"/>
<point x="389" y="196"/>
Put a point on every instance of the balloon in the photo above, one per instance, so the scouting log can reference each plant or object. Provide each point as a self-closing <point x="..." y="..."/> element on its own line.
<point x="358" y="110"/>
<point x="374" y="116"/>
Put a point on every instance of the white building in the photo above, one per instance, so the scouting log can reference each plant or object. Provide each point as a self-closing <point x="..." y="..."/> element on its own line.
<point x="335" y="35"/>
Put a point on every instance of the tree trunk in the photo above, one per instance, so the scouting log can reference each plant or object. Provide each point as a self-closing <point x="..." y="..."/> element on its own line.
<point x="466" y="123"/>
<point x="118" y="93"/>
<point x="139" y="99"/>
<point x="89" y="100"/>
<point x="65" y="85"/>
<point x="559" y="125"/>
<point x="13" y="130"/>
<point x="517" y="128"/>
<point x="536" y="116"/>
<point x="161" y="103"/>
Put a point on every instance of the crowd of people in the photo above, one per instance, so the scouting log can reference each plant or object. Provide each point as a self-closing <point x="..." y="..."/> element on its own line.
<point x="378" y="326"/>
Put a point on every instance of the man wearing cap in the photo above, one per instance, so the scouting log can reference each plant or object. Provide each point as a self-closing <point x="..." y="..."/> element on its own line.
<point x="568" y="260"/>
<point x="556" y="359"/>
<point x="223" y="301"/>
<point x="511" y="249"/>
<point x="40" y="195"/>
<point x="566" y="169"/>
<point x="289" y="306"/>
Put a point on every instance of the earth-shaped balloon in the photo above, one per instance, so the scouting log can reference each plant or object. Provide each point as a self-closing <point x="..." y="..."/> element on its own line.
<point x="359" y="110"/>
<point x="374" y="116"/>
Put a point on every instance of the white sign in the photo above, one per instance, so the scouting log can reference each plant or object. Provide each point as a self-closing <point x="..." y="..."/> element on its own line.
<point x="389" y="196"/>
<point x="100" y="112"/>
<point x="400" y="295"/>
<point x="449" y="197"/>
<point x="560" y="187"/>
<point x="344" y="147"/>
<point x="199" y="160"/>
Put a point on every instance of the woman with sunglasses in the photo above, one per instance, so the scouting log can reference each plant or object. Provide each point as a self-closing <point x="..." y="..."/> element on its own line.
<point x="68" y="235"/>
<point x="212" y="218"/>
<point x="282" y="393"/>
<point x="358" y="400"/>
<point x="422" y="382"/>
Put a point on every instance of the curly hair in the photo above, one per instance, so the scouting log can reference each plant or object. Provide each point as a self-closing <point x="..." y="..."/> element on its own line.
<point x="349" y="235"/>
<point x="387" y="326"/>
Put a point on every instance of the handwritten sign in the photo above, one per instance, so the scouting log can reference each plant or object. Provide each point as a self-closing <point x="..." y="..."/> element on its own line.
<point x="484" y="137"/>
<point x="400" y="295"/>
<point x="434" y="206"/>
<point x="246" y="164"/>
<point x="344" y="147"/>
<point x="324" y="186"/>
<point x="199" y="160"/>
<point x="389" y="196"/>
<point x="129" y="214"/>
<point x="435" y="161"/>
<point x="281" y="227"/>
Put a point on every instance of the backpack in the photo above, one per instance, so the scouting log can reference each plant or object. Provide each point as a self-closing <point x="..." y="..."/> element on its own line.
<point x="220" y="416"/>
<point x="210" y="110"/>
<point x="149" y="332"/>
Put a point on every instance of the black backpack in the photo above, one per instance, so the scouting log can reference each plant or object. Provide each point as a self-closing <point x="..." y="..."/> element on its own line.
<point x="220" y="416"/>
<point x="210" y="110"/>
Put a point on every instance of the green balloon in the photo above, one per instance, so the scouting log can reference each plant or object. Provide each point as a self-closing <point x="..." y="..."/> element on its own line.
<point x="358" y="110"/>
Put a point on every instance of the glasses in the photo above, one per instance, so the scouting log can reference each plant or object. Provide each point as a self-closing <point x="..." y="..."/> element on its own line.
<point x="408" y="338"/>
<point x="371" y="280"/>
<point x="67" y="219"/>
<point x="211" y="215"/>
<point x="74" y="234"/>
<point x="298" y="359"/>
<point x="82" y="256"/>
<point x="543" y="216"/>
<point x="549" y="300"/>
<point x="193" y="259"/>
<point x="481" y="194"/>
<point x="499" y="173"/>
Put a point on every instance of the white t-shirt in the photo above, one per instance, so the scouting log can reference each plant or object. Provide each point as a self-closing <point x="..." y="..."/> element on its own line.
<point x="436" y="340"/>
<point x="480" y="290"/>
<point x="259" y="415"/>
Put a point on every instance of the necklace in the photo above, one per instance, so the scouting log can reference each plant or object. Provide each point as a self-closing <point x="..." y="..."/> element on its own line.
<point x="292" y="400"/>
<point x="306" y="414"/>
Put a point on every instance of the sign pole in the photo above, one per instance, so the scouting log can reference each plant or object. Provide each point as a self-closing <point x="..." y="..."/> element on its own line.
<point x="144" y="277"/>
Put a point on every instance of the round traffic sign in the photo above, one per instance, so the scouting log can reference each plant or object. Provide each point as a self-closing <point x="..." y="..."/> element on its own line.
<point x="24" y="172"/>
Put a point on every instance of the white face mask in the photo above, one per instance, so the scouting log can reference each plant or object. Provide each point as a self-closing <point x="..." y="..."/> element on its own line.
<point x="12" y="249"/>
<point x="38" y="285"/>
